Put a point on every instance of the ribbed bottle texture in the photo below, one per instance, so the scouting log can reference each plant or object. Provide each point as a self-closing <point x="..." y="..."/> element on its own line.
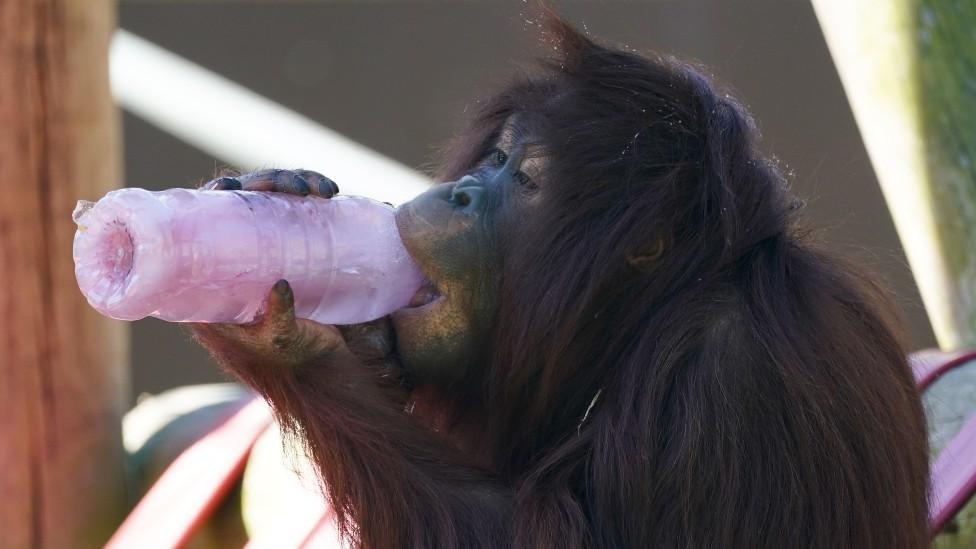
<point x="211" y="256"/>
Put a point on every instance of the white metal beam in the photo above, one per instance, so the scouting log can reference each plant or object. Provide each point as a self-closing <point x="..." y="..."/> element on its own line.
<point x="242" y="128"/>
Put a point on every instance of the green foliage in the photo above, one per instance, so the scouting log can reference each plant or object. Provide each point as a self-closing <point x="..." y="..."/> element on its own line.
<point x="945" y="66"/>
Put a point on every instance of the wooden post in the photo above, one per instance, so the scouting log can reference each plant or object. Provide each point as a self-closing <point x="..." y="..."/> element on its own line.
<point x="63" y="368"/>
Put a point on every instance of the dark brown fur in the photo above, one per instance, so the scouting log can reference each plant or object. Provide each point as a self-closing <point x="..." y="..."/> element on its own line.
<point x="675" y="362"/>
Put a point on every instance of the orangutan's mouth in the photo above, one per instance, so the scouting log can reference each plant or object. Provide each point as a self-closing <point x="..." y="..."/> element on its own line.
<point x="426" y="295"/>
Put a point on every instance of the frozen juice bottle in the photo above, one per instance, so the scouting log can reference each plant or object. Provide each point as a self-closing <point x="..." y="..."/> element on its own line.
<point x="212" y="256"/>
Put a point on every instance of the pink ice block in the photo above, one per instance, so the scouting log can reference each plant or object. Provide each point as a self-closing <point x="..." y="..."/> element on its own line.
<point x="212" y="256"/>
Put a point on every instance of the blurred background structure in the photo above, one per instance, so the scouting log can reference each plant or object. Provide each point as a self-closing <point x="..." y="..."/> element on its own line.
<point x="909" y="69"/>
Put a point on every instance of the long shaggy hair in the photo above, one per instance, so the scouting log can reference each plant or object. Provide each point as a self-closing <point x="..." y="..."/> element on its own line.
<point x="674" y="362"/>
<point x="677" y="363"/>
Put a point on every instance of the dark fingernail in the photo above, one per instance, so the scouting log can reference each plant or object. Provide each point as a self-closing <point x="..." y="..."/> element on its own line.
<point x="282" y="288"/>
<point x="226" y="184"/>
<point x="301" y="186"/>
<point x="327" y="187"/>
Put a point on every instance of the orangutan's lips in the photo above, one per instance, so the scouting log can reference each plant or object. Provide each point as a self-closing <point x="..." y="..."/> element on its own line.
<point x="425" y="295"/>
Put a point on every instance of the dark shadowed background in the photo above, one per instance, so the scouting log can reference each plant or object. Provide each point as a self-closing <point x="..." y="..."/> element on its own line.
<point x="396" y="76"/>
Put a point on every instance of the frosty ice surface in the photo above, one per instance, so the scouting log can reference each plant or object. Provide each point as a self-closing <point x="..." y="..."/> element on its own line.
<point x="211" y="256"/>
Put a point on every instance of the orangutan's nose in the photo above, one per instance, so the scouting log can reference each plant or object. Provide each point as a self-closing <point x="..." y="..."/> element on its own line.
<point x="468" y="193"/>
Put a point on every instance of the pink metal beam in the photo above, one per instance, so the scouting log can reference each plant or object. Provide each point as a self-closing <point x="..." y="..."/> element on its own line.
<point x="953" y="477"/>
<point x="930" y="364"/>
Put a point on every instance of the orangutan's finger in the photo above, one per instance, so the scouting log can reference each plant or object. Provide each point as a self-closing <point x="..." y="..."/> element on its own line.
<point x="370" y="340"/>
<point x="318" y="184"/>
<point x="223" y="184"/>
<point x="282" y="181"/>
<point x="279" y="318"/>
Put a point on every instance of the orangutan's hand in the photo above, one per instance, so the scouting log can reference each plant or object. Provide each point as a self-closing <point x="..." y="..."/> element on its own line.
<point x="298" y="182"/>
<point x="276" y="338"/>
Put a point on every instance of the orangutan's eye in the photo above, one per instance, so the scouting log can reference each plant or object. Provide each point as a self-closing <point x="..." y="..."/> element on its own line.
<point x="498" y="157"/>
<point x="525" y="182"/>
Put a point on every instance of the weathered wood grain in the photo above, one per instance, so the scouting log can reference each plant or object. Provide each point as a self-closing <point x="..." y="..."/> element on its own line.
<point x="62" y="367"/>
